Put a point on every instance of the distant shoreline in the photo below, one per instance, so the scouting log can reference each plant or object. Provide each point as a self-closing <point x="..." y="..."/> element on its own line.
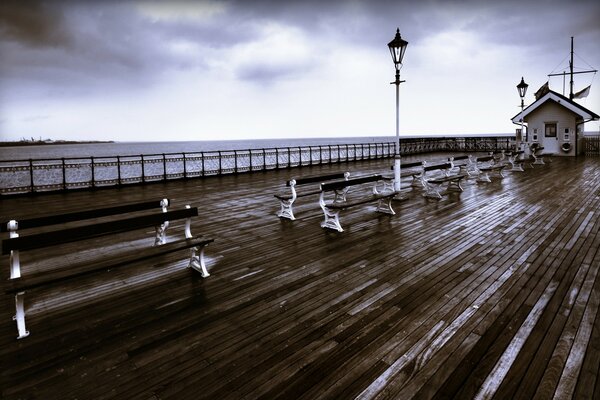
<point x="44" y="143"/>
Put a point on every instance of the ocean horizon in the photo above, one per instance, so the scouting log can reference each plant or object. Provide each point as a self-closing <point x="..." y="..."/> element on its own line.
<point x="117" y="148"/>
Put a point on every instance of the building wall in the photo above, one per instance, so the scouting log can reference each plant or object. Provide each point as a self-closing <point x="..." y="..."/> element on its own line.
<point x="552" y="112"/>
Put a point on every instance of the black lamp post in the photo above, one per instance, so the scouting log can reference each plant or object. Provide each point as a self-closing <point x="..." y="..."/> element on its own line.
<point x="397" y="49"/>
<point x="522" y="88"/>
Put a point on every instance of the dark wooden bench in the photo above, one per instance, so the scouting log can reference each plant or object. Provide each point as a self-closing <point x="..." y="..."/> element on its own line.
<point x="332" y="209"/>
<point x="435" y="184"/>
<point x="18" y="284"/>
<point x="466" y="165"/>
<point x="412" y="169"/>
<point x="287" y="199"/>
<point x="538" y="156"/>
<point x="487" y="165"/>
<point x="515" y="161"/>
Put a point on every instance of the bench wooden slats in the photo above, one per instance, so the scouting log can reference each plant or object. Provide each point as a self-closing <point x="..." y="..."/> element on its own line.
<point x="317" y="178"/>
<point x="325" y="187"/>
<point x="86" y="214"/>
<point x="35" y="280"/>
<point x="351" y="203"/>
<point x="409" y="165"/>
<point x="46" y="239"/>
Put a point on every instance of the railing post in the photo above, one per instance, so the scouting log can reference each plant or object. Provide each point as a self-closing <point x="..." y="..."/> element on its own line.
<point x="289" y="157"/>
<point x="93" y="172"/>
<point x="164" y="167"/>
<point x="235" y="163"/>
<point x="31" y="175"/>
<point x="277" y="158"/>
<point x="184" y="166"/>
<point x="220" y="164"/>
<point x="143" y="172"/>
<point x="264" y="159"/>
<point x="64" y="173"/>
<point x="202" y="156"/>
<point x="250" y="153"/>
<point x="119" y="170"/>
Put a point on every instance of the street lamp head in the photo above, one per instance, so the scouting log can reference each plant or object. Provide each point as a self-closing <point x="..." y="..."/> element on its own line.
<point x="397" y="49"/>
<point x="522" y="88"/>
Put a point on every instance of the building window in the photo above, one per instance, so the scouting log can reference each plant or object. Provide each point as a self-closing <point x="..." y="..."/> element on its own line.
<point x="566" y="130"/>
<point x="566" y="137"/>
<point x="550" y="130"/>
<point x="534" y="130"/>
<point x="535" y="137"/>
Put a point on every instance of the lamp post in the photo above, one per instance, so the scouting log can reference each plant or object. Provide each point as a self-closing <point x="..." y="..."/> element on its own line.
<point x="397" y="48"/>
<point x="522" y="88"/>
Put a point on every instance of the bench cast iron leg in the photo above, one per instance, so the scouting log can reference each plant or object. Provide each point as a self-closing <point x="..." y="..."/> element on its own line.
<point x="454" y="186"/>
<point x="385" y="206"/>
<point x="484" y="177"/>
<point x="332" y="220"/>
<point x="286" y="210"/>
<point x="161" y="233"/>
<point x="517" y="167"/>
<point x="197" y="261"/>
<point x="20" y="315"/>
<point x="432" y="192"/>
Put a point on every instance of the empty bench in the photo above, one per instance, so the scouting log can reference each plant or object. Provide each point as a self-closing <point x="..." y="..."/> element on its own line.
<point x="515" y="161"/>
<point x="412" y="169"/>
<point x="465" y="164"/>
<point x="287" y="199"/>
<point x="435" y="184"/>
<point x="18" y="285"/>
<point x="486" y="166"/>
<point x="538" y="156"/>
<point x="332" y="208"/>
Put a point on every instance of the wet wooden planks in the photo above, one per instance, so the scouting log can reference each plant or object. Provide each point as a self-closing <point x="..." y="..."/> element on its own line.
<point x="491" y="293"/>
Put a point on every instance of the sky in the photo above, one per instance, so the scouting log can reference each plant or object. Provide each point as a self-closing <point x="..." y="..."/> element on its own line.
<point x="243" y="69"/>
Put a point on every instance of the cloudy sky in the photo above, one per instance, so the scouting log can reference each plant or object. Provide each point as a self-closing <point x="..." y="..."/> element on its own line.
<point x="243" y="69"/>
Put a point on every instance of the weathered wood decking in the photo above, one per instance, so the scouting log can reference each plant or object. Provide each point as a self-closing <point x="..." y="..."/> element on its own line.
<point x="491" y="293"/>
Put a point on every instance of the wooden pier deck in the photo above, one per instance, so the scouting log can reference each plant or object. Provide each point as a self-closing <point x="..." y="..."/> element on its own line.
<point x="490" y="293"/>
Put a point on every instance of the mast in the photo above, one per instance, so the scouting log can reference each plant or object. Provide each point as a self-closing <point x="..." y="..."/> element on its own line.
<point x="571" y="73"/>
<point x="571" y="70"/>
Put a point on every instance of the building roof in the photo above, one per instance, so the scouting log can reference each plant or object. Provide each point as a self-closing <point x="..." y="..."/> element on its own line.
<point x="560" y="99"/>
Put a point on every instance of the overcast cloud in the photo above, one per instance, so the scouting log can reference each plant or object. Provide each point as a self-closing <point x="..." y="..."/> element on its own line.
<point x="194" y="70"/>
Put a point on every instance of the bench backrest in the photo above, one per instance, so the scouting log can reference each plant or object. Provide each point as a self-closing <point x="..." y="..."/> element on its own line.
<point x="317" y="179"/>
<point x="486" y="158"/>
<point x="410" y="165"/>
<point x="459" y="158"/>
<point x="325" y="187"/>
<point x="438" y="166"/>
<point x="67" y="235"/>
<point x="86" y="214"/>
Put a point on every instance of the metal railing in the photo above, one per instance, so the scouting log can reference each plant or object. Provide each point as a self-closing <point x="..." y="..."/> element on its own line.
<point x="591" y="145"/>
<point x="42" y="175"/>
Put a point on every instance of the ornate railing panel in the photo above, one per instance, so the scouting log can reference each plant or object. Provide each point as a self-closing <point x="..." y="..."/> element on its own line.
<point x="22" y="176"/>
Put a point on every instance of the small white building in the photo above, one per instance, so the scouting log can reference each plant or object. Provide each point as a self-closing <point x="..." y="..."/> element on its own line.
<point x="555" y="123"/>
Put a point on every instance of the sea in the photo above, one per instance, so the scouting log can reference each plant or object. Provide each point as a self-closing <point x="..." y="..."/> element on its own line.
<point x="53" y="151"/>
